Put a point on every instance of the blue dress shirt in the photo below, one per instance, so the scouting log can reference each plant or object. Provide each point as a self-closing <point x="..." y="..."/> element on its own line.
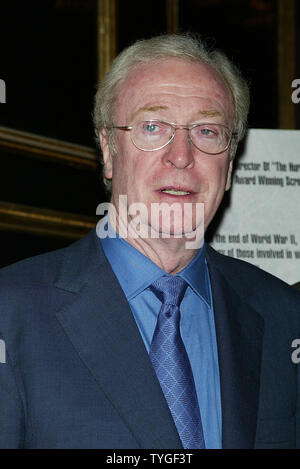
<point x="135" y="273"/>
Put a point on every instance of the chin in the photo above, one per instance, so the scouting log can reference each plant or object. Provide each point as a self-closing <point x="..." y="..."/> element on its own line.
<point x="172" y="230"/>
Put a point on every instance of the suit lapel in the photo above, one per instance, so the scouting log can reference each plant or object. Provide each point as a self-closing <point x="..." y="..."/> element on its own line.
<point x="239" y="331"/>
<point x="101" y="327"/>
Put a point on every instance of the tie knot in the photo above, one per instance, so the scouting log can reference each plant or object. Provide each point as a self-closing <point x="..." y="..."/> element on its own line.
<point x="169" y="290"/>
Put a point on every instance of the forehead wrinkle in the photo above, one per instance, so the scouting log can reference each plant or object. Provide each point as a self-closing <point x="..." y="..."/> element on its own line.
<point x="180" y="85"/>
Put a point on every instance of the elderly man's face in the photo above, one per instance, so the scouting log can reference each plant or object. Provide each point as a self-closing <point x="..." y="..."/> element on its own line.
<point x="181" y="92"/>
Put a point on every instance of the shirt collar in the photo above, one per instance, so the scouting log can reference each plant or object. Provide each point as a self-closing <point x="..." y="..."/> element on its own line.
<point x="197" y="276"/>
<point x="136" y="272"/>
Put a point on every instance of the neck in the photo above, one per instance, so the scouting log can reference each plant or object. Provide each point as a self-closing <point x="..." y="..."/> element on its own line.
<point x="170" y="254"/>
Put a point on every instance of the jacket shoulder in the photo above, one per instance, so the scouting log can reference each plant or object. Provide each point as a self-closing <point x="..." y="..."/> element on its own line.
<point x="33" y="287"/>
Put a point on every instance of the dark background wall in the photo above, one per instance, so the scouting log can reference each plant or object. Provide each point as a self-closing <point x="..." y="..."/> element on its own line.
<point x="48" y="59"/>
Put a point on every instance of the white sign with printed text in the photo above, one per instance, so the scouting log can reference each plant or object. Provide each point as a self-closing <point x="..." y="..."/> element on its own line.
<point x="262" y="223"/>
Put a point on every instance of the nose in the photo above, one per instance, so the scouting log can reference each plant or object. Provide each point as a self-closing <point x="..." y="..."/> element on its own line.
<point x="179" y="152"/>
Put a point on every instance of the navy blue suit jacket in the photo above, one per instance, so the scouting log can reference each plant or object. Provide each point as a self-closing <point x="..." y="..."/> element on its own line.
<point x="77" y="374"/>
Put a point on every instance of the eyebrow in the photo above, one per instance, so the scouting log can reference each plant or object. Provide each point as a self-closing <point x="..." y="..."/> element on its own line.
<point x="149" y="109"/>
<point x="205" y="113"/>
<point x="210" y="113"/>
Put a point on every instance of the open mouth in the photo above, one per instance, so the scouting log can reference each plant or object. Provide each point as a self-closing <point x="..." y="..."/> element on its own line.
<point x="175" y="192"/>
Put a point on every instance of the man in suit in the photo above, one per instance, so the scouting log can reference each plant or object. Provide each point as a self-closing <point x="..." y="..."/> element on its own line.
<point x="84" y="327"/>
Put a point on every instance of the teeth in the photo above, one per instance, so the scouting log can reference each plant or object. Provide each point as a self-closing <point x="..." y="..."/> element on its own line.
<point x="174" y="192"/>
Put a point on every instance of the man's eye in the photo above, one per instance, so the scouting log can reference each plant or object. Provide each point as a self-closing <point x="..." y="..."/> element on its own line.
<point x="152" y="128"/>
<point x="210" y="131"/>
<point x="205" y="131"/>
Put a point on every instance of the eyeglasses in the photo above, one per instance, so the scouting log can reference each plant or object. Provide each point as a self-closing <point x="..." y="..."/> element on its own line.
<point x="153" y="135"/>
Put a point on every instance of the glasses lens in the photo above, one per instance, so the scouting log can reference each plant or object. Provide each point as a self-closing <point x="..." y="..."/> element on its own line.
<point x="210" y="138"/>
<point x="150" y="135"/>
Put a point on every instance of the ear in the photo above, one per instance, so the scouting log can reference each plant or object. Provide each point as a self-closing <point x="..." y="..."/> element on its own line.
<point x="229" y="173"/>
<point x="107" y="157"/>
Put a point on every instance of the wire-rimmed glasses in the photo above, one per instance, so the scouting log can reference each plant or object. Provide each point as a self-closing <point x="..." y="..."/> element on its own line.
<point x="153" y="135"/>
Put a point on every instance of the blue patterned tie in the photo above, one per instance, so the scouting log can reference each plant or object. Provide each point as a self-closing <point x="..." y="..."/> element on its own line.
<point x="171" y="363"/>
